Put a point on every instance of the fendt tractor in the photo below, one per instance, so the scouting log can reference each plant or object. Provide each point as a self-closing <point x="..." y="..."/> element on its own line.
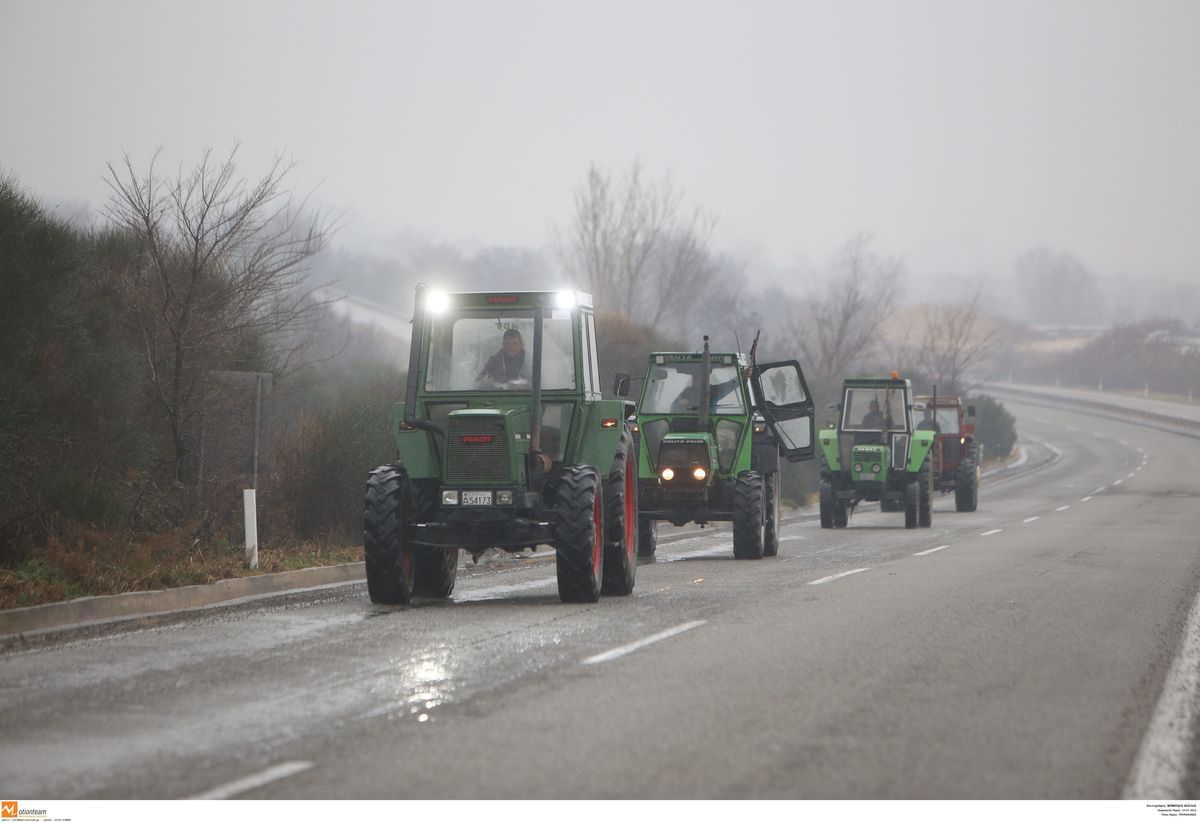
<point x="708" y="451"/>
<point x="956" y="454"/>
<point x="503" y="441"/>
<point x="876" y="453"/>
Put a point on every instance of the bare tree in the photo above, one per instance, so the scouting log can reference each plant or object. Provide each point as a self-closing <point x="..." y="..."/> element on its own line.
<point x="215" y="281"/>
<point x="956" y="337"/>
<point x="637" y="250"/>
<point x="840" y="327"/>
<point x="1059" y="289"/>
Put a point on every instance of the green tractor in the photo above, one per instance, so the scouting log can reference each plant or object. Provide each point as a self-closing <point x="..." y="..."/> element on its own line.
<point x="876" y="453"/>
<point x="708" y="451"/>
<point x="500" y="445"/>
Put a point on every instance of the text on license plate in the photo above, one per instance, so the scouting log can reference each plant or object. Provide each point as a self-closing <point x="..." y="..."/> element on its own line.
<point x="477" y="498"/>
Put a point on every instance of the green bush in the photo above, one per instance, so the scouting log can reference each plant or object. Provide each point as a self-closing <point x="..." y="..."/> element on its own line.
<point x="995" y="427"/>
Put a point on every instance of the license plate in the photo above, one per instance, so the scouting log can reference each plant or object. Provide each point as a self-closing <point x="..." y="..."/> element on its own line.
<point x="477" y="498"/>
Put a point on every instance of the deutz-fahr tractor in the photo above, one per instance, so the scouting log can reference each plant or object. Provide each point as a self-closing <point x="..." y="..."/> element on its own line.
<point x="503" y="441"/>
<point x="876" y="453"/>
<point x="708" y="451"/>
<point x="956" y="454"/>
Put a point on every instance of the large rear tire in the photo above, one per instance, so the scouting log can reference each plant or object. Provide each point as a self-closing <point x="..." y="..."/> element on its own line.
<point x="925" y="500"/>
<point x="771" y="535"/>
<point x="912" y="502"/>
<point x="579" y="560"/>
<point x="966" y="492"/>
<point x="749" y="520"/>
<point x="390" y="557"/>
<point x="621" y="521"/>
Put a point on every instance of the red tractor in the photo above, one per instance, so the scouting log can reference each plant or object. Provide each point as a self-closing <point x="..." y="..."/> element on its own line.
<point x="956" y="454"/>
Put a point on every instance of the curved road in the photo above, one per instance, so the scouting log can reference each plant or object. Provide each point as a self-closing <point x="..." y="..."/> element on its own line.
<point x="1018" y="652"/>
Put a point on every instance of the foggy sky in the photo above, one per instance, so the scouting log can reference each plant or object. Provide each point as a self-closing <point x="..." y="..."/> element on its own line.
<point x="960" y="133"/>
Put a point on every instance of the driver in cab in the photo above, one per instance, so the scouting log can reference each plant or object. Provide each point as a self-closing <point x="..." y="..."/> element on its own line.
<point x="506" y="366"/>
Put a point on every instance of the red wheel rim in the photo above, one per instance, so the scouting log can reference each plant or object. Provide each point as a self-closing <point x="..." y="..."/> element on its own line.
<point x="597" y="537"/>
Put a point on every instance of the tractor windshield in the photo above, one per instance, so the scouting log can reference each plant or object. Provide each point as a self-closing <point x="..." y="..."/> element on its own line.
<point x="674" y="388"/>
<point x="489" y="351"/>
<point x="947" y="420"/>
<point x="874" y="409"/>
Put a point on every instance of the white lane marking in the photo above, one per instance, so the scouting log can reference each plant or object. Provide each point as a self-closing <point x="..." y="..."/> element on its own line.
<point x="1122" y="442"/>
<point x="641" y="643"/>
<point x="785" y="539"/>
<point x="1030" y="519"/>
<point x="1118" y="482"/>
<point x="1085" y="499"/>
<point x="993" y="531"/>
<point x="930" y="551"/>
<point x="1062" y="508"/>
<point x="1100" y="490"/>
<point x="501" y="590"/>
<point x="832" y="577"/>
<point x="1130" y="475"/>
<point x="249" y="783"/>
<point x="1160" y="767"/>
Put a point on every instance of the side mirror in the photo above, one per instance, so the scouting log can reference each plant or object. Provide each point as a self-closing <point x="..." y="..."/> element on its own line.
<point x="621" y="384"/>
<point x="970" y="410"/>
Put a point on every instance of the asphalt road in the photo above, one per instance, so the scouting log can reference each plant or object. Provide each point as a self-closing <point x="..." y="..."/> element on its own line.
<point x="1018" y="652"/>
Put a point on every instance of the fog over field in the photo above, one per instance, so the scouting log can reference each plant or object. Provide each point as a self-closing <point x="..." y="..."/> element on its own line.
<point x="960" y="136"/>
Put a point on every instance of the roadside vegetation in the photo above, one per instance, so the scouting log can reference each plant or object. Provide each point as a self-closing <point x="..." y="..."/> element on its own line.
<point x="186" y="345"/>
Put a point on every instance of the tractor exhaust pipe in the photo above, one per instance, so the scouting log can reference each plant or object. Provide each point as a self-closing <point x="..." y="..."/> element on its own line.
<point x="414" y="368"/>
<point x="705" y="386"/>
<point x="537" y="464"/>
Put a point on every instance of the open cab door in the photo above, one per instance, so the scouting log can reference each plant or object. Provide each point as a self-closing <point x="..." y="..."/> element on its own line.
<point x="783" y="399"/>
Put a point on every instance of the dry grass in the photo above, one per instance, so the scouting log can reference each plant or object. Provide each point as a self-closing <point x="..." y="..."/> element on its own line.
<point x="83" y="561"/>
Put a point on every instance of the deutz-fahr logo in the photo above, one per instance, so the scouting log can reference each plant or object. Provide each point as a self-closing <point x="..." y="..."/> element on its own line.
<point x="476" y="439"/>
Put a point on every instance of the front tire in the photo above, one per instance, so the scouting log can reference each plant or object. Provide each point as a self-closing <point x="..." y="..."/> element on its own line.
<point x="579" y="546"/>
<point x="647" y="537"/>
<point x="390" y="557"/>
<point x="621" y="521"/>
<point x="749" y="520"/>
<point x="771" y="534"/>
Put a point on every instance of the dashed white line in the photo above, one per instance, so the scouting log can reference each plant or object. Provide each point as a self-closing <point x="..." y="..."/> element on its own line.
<point x="929" y="551"/>
<point x="1030" y="519"/>
<point x="1130" y="475"/>
<point x="1118" y="482"/>
<point x="1062" y="508"/>
<point x="1100" y="490"/>
<point x="1085" y="499"/>
<point x="993" y="531"/>
<point x="608" y="656"/>
<point x="253" y="781"/>
<point x="832" y="577"/>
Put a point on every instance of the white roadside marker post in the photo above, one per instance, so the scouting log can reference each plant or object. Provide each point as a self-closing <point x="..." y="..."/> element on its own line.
<point x="250" y="507"/>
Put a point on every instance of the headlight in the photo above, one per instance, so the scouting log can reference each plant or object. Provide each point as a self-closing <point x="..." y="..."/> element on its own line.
<point x="668" y="474"/>
<point x="962" y="440"/>
<point x="449" y="498"/>
<point x="699" y="474"/>
<point x="875" y="468"/>
<point x="858" y="467"/>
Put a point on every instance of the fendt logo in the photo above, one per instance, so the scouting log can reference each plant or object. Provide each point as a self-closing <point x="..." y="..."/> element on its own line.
<point x="477" y="439"/>
<point x="8" y="810"/>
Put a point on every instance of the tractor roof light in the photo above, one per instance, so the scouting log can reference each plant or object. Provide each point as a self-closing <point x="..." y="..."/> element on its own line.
<point x="566" y="299"/>
<point x="436" y="302"/>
